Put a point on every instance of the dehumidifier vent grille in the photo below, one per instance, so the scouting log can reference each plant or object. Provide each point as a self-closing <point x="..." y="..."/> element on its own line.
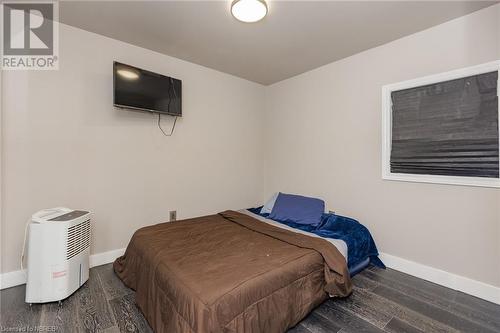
<point x="78" y="239"/>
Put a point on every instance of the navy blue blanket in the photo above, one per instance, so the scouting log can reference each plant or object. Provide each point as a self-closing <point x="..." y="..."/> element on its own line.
<point x="360" y="244"/>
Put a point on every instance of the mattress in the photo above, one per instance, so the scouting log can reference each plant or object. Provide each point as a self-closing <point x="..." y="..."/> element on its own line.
<point x="338" y="243"/>
<point x="352" y="238"/>
<point x="229" y="273"/>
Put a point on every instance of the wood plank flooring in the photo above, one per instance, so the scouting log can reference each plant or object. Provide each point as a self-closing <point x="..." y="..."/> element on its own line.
<point x="382" y="301"/>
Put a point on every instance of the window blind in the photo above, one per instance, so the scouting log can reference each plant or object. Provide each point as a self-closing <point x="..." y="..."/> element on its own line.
<point x="447" y="128"/>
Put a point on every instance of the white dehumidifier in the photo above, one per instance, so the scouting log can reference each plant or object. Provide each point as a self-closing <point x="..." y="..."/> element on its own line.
<point x="58" y="254"/>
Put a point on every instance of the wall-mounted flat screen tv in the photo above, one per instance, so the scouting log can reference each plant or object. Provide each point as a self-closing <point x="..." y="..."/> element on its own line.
<point x="139" y="89"/>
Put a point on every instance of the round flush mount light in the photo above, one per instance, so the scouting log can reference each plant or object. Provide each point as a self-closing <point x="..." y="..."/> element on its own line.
<point x="249" y="10"/>
<point x="127" y="73"/>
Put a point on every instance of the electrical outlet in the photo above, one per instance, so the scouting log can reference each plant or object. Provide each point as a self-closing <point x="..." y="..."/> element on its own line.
<point x="173" y="215"/>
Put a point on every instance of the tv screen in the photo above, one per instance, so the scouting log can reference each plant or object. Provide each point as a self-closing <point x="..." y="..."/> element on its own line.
<point x="139" y="89"/>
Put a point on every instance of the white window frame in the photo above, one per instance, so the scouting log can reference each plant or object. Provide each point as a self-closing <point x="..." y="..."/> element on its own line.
<point x="387" y="127"/>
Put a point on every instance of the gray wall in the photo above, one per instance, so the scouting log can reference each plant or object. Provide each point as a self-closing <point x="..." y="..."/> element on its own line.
<point x="323" y="138"/>
<point x="64" y="144"/>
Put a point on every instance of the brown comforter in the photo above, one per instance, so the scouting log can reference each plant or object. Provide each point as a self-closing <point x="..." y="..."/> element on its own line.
<point x="229" y="273"/>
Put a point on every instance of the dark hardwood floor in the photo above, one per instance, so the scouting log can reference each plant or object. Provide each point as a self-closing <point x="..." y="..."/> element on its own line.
<point x="382" y="301"/>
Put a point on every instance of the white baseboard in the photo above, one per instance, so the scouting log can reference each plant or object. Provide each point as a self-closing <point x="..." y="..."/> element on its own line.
<point x="12" y="279"/>
<point x="443" y="278"/>
<point x="103" y="258"/>
<point x="15" y="278"/>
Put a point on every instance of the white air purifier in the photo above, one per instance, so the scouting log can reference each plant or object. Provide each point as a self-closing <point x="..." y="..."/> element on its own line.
<point x="58" y="254"/>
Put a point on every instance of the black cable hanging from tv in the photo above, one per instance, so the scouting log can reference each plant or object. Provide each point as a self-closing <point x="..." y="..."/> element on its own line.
<point x="168" y="110"/>
<point x="161" y="129"/>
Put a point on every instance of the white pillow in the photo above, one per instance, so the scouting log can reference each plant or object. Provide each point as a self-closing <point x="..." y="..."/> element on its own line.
<point x="268" y="207"/>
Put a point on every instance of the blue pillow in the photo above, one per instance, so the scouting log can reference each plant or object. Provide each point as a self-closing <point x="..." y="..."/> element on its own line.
<point x="268" y="207"/>
<point x="297" y="209"/>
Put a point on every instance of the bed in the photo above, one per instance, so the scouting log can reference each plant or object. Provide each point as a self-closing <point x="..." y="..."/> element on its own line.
<point x="352" y="238"/>
<point x="231" y="272"/>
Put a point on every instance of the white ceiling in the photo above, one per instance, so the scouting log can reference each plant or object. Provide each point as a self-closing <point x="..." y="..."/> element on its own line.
<point x="295" y="37"/>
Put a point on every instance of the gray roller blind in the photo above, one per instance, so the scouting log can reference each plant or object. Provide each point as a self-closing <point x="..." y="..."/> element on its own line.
<point x="447" y="128"/>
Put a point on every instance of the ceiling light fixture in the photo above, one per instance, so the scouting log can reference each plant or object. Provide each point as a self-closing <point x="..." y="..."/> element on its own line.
<point x="249" y="10"/>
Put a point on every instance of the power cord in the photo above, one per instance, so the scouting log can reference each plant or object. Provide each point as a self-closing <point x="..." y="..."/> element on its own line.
<point x="24" y="245"/>
<point x="161" y="129"/>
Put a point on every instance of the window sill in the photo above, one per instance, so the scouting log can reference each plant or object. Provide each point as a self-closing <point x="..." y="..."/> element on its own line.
<point x="446" y="180"/>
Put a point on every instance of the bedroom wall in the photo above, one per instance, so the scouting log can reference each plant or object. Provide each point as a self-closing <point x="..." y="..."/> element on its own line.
<point x="64" y="144"/>
<point x="323" y="138"/>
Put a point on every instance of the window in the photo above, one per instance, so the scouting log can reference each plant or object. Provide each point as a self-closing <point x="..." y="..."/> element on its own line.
<point x="443" y="128"/>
